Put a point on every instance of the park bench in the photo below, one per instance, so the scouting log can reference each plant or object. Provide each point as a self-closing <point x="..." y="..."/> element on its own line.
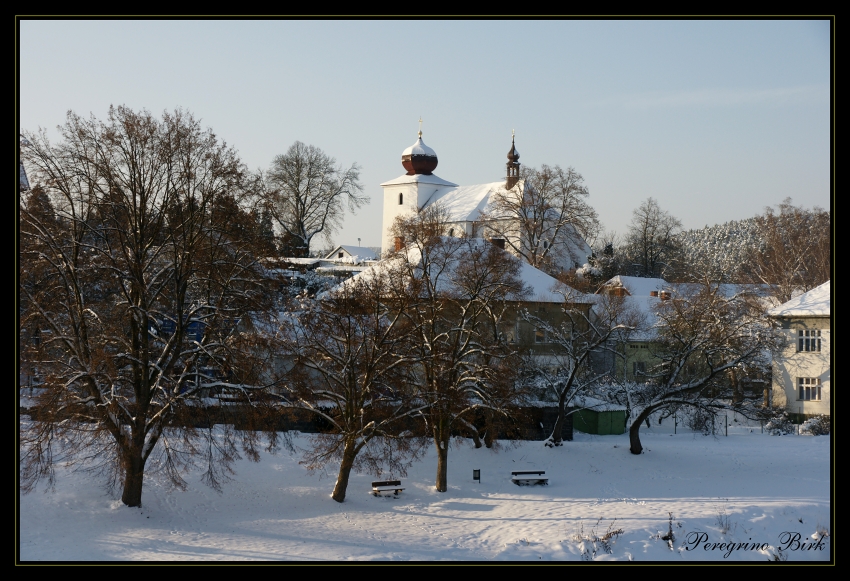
<point x="381" y="486"/>
<point x="525" y="477"/>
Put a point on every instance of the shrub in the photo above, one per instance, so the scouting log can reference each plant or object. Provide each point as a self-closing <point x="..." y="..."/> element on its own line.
<point x="779" y="425"/>
<point x="817" y="426"/>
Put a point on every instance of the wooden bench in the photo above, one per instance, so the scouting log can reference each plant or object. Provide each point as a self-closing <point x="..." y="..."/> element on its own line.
<point x="525" y="477"/>
<point x="380" y="486"/>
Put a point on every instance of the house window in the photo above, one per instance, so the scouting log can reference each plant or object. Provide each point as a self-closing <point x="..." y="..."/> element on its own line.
<point x="639" y="368"/>
<point x="808" y="388"/>
<point x="509" y="333"/>
<point x="539" y="335"/>
<point x="340" y="255"/>
<point x="400" y="199"/>
<point x="808" y="340"/>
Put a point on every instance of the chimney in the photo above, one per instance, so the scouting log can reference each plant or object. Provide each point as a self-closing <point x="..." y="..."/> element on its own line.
<point x="399" y="243"/>
<point x="500" y="242"/>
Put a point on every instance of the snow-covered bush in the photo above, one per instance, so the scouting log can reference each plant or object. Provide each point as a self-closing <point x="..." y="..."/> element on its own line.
<point x="817" y="426"/>
<point x="588" y="271"/>
<point x="779" y="425"/>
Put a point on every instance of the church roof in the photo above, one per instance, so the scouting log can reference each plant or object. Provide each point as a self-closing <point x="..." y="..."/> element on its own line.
<point x="467" y="203"/>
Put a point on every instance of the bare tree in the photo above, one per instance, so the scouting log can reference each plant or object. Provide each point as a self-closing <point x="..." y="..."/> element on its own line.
<point x="650" y="242"/>
<point x="702" y="336"/>
<point x="793" y="252"/>
<point x="308" y="193"/>
<point x="545" y="218"/>
<point x="134" y="285"/>
<point x="586" y="331"/>
<point x="463" y="289"/>
<point x="350" y="367"/>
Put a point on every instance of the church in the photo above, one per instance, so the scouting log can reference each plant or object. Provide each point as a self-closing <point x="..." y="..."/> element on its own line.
<point x="469" y="208"/>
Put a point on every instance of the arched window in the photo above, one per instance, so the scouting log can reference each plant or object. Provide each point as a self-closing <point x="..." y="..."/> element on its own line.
<point x="400" y="199"/>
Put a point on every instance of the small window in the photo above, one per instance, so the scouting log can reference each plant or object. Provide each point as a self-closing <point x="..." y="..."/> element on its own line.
<point x="340" y="255"/>
<point x="451" y="231"/>
<point x="808" y="388"/>
<point x="639" y="368"/>
<point x="539" y="335"/>
<point x="808" y="340"/>
<point x="400" y="199"/>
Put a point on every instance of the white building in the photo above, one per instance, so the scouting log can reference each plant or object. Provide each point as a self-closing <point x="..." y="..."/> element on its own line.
<point x="802" y="372"/>
<point x="468" y="207"/>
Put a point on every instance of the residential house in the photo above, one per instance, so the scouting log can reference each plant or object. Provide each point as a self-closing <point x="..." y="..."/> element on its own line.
<point x="635" y="347"/>
<point x="802" y="372"/>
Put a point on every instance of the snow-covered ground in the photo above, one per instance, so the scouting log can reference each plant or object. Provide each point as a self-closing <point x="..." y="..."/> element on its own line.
<point x="726" y="494"/>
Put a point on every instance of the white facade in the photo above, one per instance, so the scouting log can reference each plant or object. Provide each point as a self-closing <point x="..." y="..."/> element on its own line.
<point x="802" y="372"/>
<point x="405" y="196"/>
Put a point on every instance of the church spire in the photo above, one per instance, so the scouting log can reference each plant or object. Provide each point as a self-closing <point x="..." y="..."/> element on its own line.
<point x="513" y="164"/>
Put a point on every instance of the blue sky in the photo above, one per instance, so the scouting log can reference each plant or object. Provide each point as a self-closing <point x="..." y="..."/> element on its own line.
<point x="715" y="119"/>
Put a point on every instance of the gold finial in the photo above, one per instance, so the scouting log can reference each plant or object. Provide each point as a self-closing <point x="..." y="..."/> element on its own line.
<point x="420" y="127"/>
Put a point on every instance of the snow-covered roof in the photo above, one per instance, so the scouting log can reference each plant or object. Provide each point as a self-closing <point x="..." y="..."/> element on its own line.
<point x="419" y="148"/>
<point x="418" y="179"/>
<point x="305" y="261"/>
<point x="467" y="203"/>
<point x="640" y="300"/>
<point x="355" y="251"/>
<point x="341" y="269"/>
<point x="638" y="286"/>
<point x="814" y="303"/>
<point x="542" y="287"/>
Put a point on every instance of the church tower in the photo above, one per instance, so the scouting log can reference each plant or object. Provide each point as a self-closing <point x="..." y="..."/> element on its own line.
<point x="513" y="165"/>
<point x="409" y="193"/>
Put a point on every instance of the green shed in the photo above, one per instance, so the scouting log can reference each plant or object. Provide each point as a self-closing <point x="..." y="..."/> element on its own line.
<point x="593" y="416"/>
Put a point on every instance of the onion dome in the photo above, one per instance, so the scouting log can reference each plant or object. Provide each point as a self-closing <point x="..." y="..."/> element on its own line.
<point x="513" y="154"/>
<point x="419" y="158"/>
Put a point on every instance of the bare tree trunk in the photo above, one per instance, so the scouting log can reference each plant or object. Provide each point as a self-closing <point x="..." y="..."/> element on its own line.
<point x="555" y="439"/>
<point x="490" y="427"/>
<point x="441" y="441"/>
<point x="634" y="431"/>
<point x="134" y="474"/>
<point x="348" y="455"/>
